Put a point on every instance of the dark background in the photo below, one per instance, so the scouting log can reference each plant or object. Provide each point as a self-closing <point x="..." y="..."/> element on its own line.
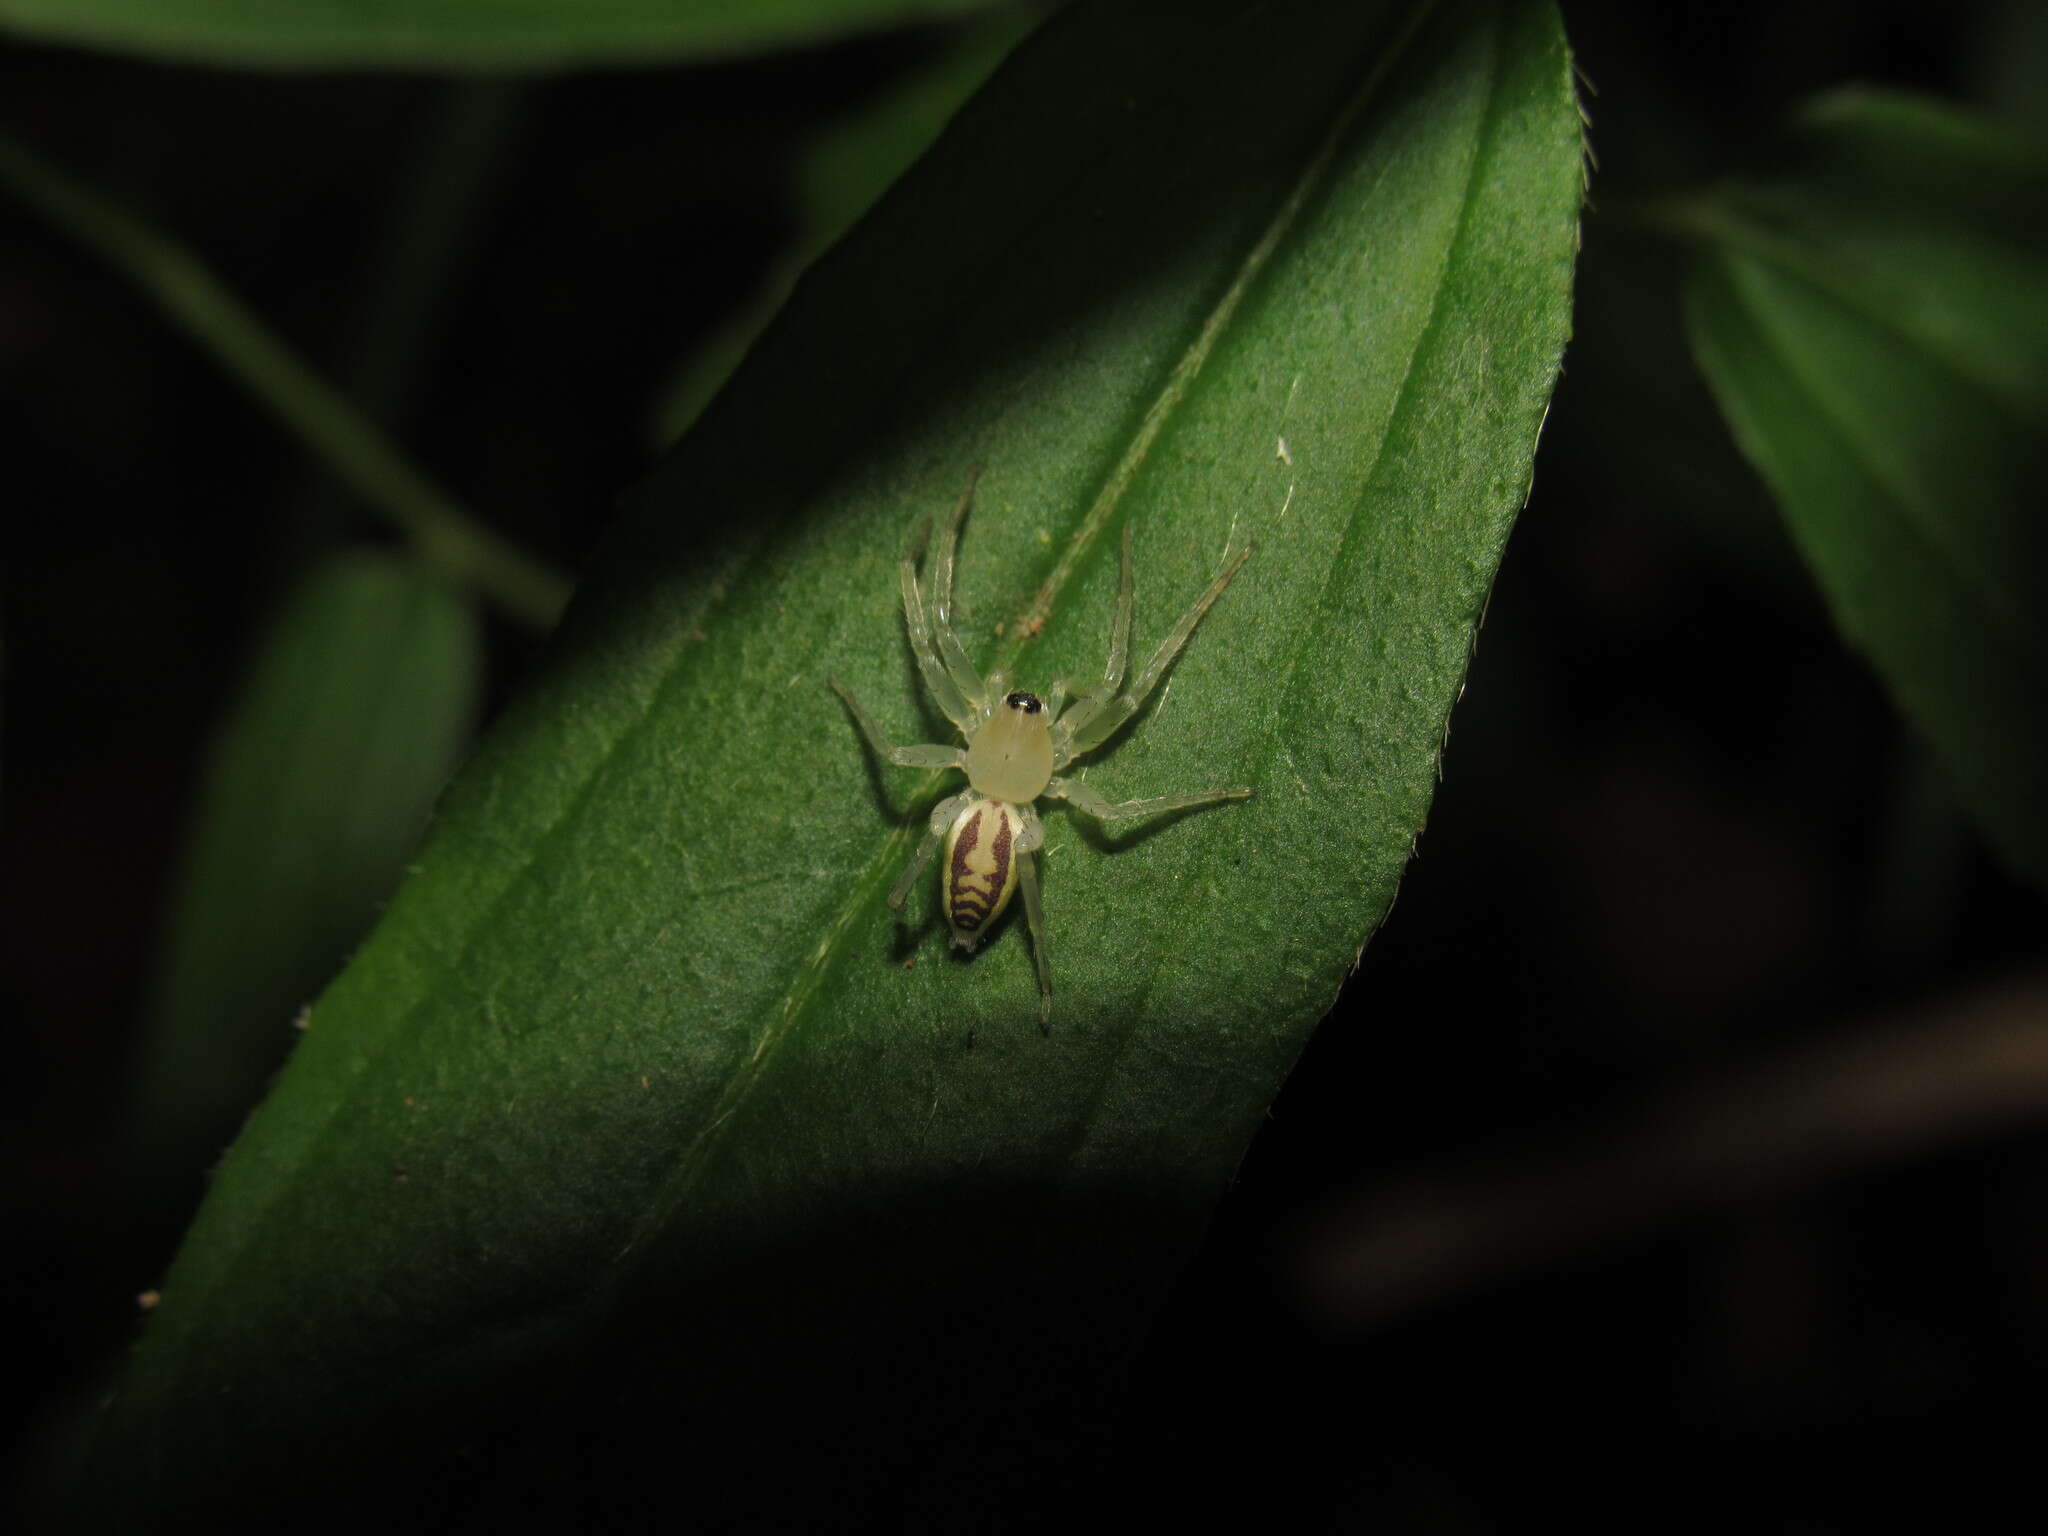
<point x="1581" y="1206"/>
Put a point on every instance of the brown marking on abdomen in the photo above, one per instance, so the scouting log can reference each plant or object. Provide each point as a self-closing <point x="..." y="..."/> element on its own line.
<point x="972" y="892"/>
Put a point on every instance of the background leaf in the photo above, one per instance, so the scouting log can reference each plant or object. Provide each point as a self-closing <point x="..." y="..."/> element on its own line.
<point x="835" y="178"/>
<point x="443" y="33"/>
<point x="320" y="783"/>
<point x="1872" y="330"/>
<point x="642" y="1147"/>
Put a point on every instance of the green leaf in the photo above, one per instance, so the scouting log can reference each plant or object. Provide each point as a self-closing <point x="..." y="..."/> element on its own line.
<point x="473" y="33"/>
<point x="319" y="787"/>
<point x="1872" y="329"/>
<point x="642" y="1139"/>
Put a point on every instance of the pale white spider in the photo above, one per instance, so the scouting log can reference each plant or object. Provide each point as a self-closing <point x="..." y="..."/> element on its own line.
<point x="1016" y="744"/>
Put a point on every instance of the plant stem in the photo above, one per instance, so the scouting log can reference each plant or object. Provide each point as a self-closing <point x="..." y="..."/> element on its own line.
<point x="443" y="532"/>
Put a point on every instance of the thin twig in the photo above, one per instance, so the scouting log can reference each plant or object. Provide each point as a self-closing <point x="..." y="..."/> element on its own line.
<point x="1969" y="1067"/>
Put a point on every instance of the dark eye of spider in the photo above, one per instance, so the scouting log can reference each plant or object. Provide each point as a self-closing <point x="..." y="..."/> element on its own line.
<point x="1028" y="702"/>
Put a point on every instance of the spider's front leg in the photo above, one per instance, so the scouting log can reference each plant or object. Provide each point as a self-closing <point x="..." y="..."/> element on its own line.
<point x="1090" y="802"/>
<point x="1090" y="702"/>
<point x="978" y="694"/>
<point x="959" y="694"/>
<point x="1098" y="719"/>
<point x="924" y="755"/>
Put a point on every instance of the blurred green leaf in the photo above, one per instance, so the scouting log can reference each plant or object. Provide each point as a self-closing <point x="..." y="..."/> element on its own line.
<point x="642" y="1149"/>
<point x="1871" y="325"/>
<point x="495" y="34"/>
<point x="319" y="787"/>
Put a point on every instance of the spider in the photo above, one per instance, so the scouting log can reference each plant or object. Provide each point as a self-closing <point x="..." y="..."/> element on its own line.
<point x="1016" y="743"/>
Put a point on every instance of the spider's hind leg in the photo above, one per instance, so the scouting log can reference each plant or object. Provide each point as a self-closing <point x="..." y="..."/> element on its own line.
<point x="936" y="827"/>
<point x="1028" y="843"/>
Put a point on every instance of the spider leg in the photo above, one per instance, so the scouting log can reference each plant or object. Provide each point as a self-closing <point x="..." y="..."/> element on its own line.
<point x="1028" y="843"/>
<point x="952" y="703"/>
<point x="965" y="678"/>
<point x="1090" y="702"/>
<point x="1089" y="801"/>
<point x="935" y="828"/>
<point x="923" y="756"/>
<point x="998" y="686"/>
<point x="1098" y="728"/>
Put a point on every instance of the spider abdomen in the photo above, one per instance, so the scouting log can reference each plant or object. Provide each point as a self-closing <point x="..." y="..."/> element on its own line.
<point x="980" y="870"/>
